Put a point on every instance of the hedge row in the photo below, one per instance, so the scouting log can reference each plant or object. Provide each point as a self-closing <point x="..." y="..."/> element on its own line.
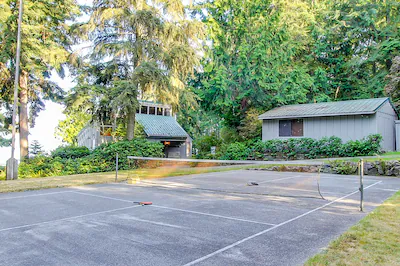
<point x="298" y="148"/>
<point x="80" y="160"/>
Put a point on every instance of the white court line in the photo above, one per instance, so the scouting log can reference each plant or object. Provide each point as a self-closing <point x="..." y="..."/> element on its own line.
<point x="272" y="228"/>
<point x="387" y="189"/>
<point x="35" y="195"/>
<point x="356" y="178"/>
<point x="157" y="206"/>
<point x="278" y="179"/>
<point x="213" y="215"/>
<point x="68" y="218"/>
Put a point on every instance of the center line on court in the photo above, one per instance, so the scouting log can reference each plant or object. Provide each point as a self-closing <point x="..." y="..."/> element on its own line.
<point x="274" y="227"/>
<point x="68" y="218"/>
<point x="213" y="215"/>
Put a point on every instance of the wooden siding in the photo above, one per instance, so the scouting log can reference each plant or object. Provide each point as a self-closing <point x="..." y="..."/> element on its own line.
<point x="344" y="127"/>
<point x="386" y="126"/>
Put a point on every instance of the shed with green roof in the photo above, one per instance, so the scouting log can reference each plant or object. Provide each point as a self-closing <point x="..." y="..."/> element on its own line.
<point x="348" y="120"/>
<point x="166" y="129"/>
<point x="158" y="124"/>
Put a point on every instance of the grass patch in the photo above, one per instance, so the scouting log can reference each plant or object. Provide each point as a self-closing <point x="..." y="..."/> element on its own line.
<point x="375" y="240"/>
<point x="392" y="153"/>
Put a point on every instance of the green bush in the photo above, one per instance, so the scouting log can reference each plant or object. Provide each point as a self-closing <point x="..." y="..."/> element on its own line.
<point x="70" y="152"/>
<point x="2" y="172"/>
<point x="236" y="151"/>
<point x="344" y="168"/>
<point x="368" y="146"/>
<point x="68" y="161"/>
<point x="296" y="148"/>
<point x="203" y="145"/>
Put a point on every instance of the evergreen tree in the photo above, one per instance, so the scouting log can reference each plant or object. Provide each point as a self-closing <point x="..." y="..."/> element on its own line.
<point x="141" y="48"/>
<point x="35" y="148"/>
<point x="251" y="62"/>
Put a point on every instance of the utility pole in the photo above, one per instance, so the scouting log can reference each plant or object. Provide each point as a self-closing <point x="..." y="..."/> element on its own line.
<point x="12" y="163"/>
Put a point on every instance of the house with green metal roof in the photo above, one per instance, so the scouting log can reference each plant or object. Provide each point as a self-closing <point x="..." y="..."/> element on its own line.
<point x="158" y="124"/>
<point x="348" y="120"/>
<point x="165" y="129"/>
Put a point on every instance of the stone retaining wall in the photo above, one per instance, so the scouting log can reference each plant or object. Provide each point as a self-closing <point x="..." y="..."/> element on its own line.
<point x="384" y="168"/>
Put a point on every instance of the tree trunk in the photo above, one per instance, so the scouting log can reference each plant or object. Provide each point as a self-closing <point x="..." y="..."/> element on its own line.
<point x="23" y="115"/>
<point x="130" y="132"/>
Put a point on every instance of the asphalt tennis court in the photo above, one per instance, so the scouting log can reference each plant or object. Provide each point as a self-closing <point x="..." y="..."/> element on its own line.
<point x="204" y="219"/>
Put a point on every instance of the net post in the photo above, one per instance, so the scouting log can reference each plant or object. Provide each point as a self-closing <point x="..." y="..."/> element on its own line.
<point x="116" y="167"/>
<point x="361" y="171"/>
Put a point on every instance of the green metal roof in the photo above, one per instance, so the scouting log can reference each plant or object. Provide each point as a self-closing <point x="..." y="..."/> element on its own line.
<point x="353" y="107"/>
<point x="161" y="126"/>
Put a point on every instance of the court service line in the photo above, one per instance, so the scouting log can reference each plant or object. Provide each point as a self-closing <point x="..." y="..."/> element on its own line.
<point x="35" y="195"/>
<point x="274" y="227"/>
<point x="213" y="215"/>
<point x="68" y="218"/>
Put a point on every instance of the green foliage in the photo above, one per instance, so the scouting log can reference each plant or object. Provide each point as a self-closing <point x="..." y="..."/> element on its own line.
<point x="250" y="127"/>
<point x="344" y="168"/>
<point x="264" y="54"/>
<point x="45" y="49"/>
<point x="35" y="148"/>
<point x="203" y="145"/>
<point x="230" y="134"/>
<point x="2" y="172"/>
<point x="69" y="128"/>
<point x="79" y="160"/>
<point x="367" y="146"/>
<point x="393" y="78"/>
<point x="141" y="49"/>
<point x="299" y="148"/>
<point x="236" y="151"/>
<point x="5" y="142"/>
<point x="70" y="152"/>
<point x="139" y="131"/>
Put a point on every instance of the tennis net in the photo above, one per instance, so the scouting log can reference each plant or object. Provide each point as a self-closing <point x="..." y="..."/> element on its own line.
<point x="222" y="177"/>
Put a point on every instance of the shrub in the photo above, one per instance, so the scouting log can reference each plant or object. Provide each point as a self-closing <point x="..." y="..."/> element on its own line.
<point x="293" y="147"/>
<point x="328" y="146"/>
<point x="2" y="172"/>
<point x="70" y="152"/>
<point x="236" y="151"/>
<point x="203" y="145"/>
<point x="344" y="168"/>
<point x="69" y="160"/>
<point x="369" y="145"/>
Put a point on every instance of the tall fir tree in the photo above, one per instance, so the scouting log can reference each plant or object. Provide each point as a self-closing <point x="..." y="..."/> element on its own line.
<point x="140" y="49"/>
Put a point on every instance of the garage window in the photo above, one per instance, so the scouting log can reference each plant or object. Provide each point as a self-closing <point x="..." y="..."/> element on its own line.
<point x="291" y="128"/>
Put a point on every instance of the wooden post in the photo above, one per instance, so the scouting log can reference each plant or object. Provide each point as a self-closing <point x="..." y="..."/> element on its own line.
<point x="361" y="184"/>
<point x="116" y="167"/>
